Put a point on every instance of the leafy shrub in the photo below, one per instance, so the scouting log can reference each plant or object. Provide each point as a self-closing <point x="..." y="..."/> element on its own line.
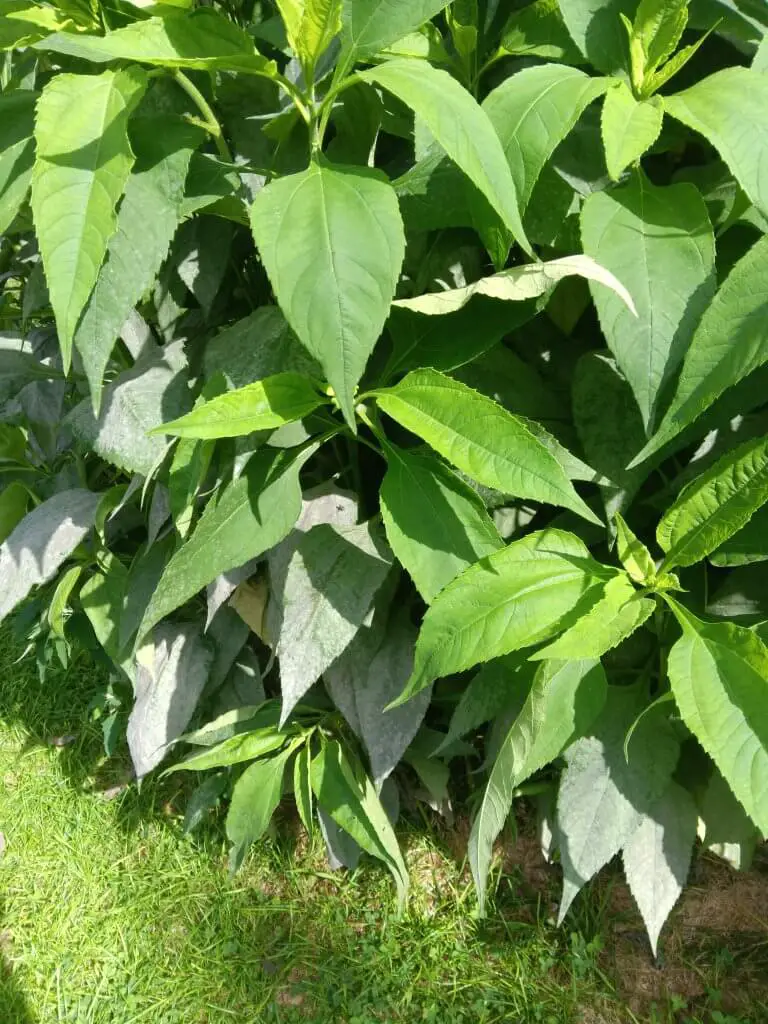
<point x="465" y="457"/>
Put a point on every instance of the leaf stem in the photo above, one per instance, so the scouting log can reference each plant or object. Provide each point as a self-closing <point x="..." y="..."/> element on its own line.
<point x="208" y="119"/>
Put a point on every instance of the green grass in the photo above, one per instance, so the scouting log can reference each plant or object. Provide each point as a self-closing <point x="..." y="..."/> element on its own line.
<point x="109" y="916"/>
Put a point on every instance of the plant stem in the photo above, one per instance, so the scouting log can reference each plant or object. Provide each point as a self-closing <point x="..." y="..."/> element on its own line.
<point x="208" y="119"/>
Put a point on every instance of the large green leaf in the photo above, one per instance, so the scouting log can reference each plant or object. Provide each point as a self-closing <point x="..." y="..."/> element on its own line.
<point x="719" y="676"/>
<point x="460" y="126"/>
<point x="370" y="25"/>
<point x="17" y="152"/>
<point x="244" y="520"/>
<point x="263" y="405"/>
<point x="480" y="438"/>
<point x="199" y="39"/>
<point x="524" y="594"/>
<point x="519" y="284"/>
<point x="254" y="800"/>
<point x="715" y="505"/>
<point x="659" y="242"/>
<point x="22" y="23"/>
<point x="565" y="699"/>
<point x="730" y="342"/>
<point x="604" y="792"/>
<point x="619" y="612"/>
<point x="436" y="524"/>
<point x="533" y="111"/>
<point x="332" y="242"/>
<point x="749" y="544"/>
<point x="629" y="127"/>
<point x="658" y="856"/>
<point x="82" y="164"/>
<point x="730" y="109"/>
<point x="597" y="30"/>
<point x="148" y="217"/>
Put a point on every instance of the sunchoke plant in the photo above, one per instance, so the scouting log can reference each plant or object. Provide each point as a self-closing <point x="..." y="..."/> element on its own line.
<point x="384" y="405"/>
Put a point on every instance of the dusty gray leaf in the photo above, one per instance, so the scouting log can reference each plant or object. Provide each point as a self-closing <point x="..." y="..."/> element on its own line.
<point x="229" y="634"/>
<point x="202" y="250"/>
<point x="171" y="671"/>
<point x="242" y="687"/>
<point x="658" y="856"/>
<point x="42" y="542"/>
<point x="331" y="581"/>
<point x="223" y="587"/>
<point x="341" y="848"/>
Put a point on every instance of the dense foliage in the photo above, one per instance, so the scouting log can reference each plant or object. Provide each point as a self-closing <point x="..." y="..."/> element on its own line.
<point x="384" y="402"/>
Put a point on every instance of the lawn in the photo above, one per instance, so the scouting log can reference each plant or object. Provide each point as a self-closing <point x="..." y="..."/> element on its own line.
<point x="108" y="915"/>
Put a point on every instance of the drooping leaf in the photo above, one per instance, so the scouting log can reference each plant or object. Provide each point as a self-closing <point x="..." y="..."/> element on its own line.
<point x="349" y="798"/>
<point x="436" y="524"/>
<point x="715" y="505"/>
<point x="203" y="800"/>
<point x="462" y="129"/>
<point x="42" y="542"/>
<point x="248" y="517"/>
<point x="524" y="594"/>
<point x="330" y="583"/>
<point x="171" y="671"/>
<point x="533" y="111"/>
<point x="332" y="242"/>
<point x="202" y="39"/>
<point x="81" y="168"/>
<point x="302" y="787"/>
<point x="603" y="794"/>
<point x="263" y="405"/>
<point x="619" y="612"/>
<point x="148" y="217"/>
<point x="564" y="700"/>
<point x="366" y="678"/>
<point x="659" y="242"/>
<point x="102" y="597"/>
<point x="629" y="127"/>
<point x="480" y="438"/>
<point x="730" y="342"/>
<point x="749" y="544"/>
<point x="597" y="30"/>
<point x="369" y="26"/>
<point x="520" y="284"/>
<point x="17" y="152"/>
<point x="730" y="109"/>
<point x="242" y="746"/>
<point x="254" y="800"/>
<point x="658" y="855"/>
<point x="719" y="676"/>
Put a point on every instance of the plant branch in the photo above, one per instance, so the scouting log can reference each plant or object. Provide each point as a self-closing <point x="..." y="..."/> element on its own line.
<point x="208" y="119"/>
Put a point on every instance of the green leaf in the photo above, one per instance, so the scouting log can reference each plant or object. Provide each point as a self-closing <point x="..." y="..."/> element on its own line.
<point x="480" y="438"/>
<point x="522" y="595"/>
<point x="302" y="787"/>
<point x="596" y="28"/>
<point x="263" y="405"/>
<point x="332" y="242"/>
<point x="519" y="284"/>
<point x="331" y="580"/>
<point x="730" y="109"/>
<point x="201" y="39"/>
<point x="436" y="524"/>
<point x="203" y="800"/>
<point x="719" y="676"/>
<point x="243" y="746"/>
<point x="619" y="612"/>
<point x="603" y="794"/>
<point x="82" y="165"/>
<point x="147" y="220"/>
<point x="349" y="798"/>
<point x="749" y="544"/>
<point x="629" y="127"/>
<point x="659" y="241"/>
<point x="658" y="856"/>
<point x="244" y="520"/>
<point x="659" y="25"/>
<point x="320" y="23"/>
<point x="171" y="671"/>
<point x="538" y="30"/>
<point x="42" y="542"/>
<point x="563" y="702"/>
<point x="102" y="597"/>
<point x="533" y="111"/>
<point x="462" y="129"/>
<point x="633" y="554"/>
<point x="715" y="505"/>
<point x="14" y="499"/>
<point x="22" y="23"/>
<point x="369" y="25"/>
<point x="730" y="342"/>
<point x="58" y="609"/>
<point x="17" y="152"/>
<point x="254" y="800"/>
